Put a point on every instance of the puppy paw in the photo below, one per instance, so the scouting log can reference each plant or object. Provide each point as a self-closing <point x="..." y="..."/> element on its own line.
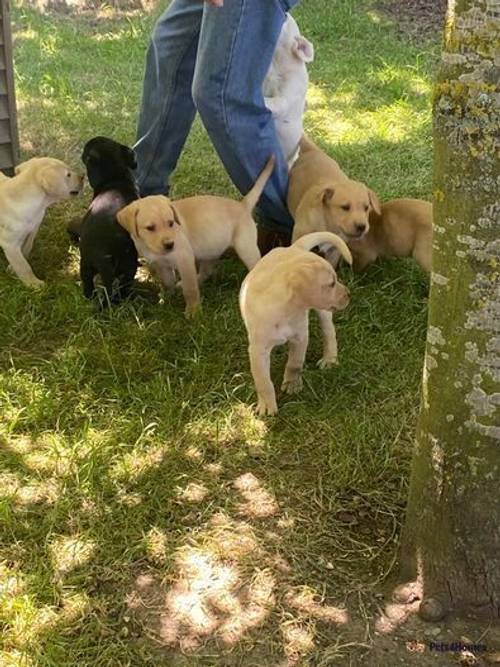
<point x="192" y="309"/>
<point x="327" y="362"/>
<point x="266" y="408"/>
<point x="35" y="283"/>
<point x="292" y="385"/>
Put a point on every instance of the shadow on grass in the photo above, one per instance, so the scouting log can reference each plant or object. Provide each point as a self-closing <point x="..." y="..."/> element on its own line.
<point x="133" y="466"/>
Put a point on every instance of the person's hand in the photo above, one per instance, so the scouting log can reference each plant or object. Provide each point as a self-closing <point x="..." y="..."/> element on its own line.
<point x="215" y="3"/>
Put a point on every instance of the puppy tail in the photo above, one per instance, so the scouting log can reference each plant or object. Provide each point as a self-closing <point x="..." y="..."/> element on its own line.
<point x="310" y="241"/>
<point x="252" y="197"/>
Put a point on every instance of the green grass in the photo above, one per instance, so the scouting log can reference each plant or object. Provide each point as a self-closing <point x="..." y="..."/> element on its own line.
<point x="124" y="434"/>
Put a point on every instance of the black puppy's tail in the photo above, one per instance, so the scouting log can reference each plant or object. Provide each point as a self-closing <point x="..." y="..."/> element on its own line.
<point x="74" y="229"/>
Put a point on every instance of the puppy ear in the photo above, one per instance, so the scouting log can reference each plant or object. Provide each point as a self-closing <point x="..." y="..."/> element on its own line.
<point x="127" y="218"/>
<point x="176" y="215"/>
<point x="303" y="49"/>
<point x="309" y="216"/>
<point x="90" y="154"/>
<point x="302" y="281"/>
<point x="374" y="202"/>
<point x="22" y="166"/>
<point x="129" y="157"/>
<point x="48" y="180"/>
<point x="327" y="195"/>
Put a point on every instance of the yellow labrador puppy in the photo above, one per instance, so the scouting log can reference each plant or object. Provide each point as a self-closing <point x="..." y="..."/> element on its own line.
<point x="275" y="300"/>
<point x="404" y="229"/>
<point x="38" y="183"/>
<point x="322" y="198"/>
<point x="175" y="236"/>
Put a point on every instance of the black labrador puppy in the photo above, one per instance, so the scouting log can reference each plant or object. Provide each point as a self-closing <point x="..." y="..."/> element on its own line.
<point x="105" y="247"/>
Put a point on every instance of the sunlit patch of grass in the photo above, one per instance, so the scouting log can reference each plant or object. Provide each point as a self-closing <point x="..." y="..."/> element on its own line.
<point x="305" y="600"/>
<point x="298" y="640"/>
<point x="230" y="538"/>
<point x="156" y="546"/>
<point x="71" y="551"/>
<point x="193" y="492"/>
<point x="387" y="122"/>
<point x="257" y="501"/>
<point x="138" y="461"/>
<point x="238" y="425"/>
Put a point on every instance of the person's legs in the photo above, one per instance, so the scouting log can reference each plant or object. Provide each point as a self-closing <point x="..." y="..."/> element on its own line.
<point x="167" y="109"/>
<point x="236" y="46"/>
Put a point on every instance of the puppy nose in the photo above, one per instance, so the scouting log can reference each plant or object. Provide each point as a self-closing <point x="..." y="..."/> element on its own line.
<point x="360" y="227"/>
<point x="168" y="245"/>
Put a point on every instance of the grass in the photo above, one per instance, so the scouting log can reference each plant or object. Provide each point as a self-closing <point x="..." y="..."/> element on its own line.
<point x="147" y="516"/>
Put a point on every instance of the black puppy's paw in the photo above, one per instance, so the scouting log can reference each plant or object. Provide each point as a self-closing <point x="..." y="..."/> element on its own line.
<point x="74" y="230"/>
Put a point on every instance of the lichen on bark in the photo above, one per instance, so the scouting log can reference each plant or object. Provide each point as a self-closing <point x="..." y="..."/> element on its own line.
<point x="453" y="519"/>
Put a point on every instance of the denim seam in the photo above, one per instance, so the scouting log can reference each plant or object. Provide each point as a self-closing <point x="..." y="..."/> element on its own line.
<point x="280" y="5"/>
<point x="228" y="69"/>
<point x="165" y="113"/>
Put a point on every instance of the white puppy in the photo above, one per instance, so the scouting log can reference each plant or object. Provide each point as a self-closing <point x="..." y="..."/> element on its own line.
<point x="275" y="300"/>
<point x="285" y="86"/>
<point x="24" y="199"/>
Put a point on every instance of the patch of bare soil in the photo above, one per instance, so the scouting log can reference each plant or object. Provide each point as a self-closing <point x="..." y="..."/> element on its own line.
<point x="417" y="19"/>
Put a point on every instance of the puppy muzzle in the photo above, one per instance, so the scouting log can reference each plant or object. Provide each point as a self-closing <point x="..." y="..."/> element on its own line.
<point x="359" y="231"/>
<point x="76" y="191"/>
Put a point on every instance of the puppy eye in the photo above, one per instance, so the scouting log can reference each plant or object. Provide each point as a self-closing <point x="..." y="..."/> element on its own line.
<point x="151" y="228"/>
<point x="171" y="223"/>
<point x="68" y="175"/>
<point x="346" y="207"/>
<point x="366" y="207"/>
<point x="332" y="284"/>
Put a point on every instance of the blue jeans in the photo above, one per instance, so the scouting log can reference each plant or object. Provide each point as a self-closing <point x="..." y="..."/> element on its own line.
<point x="213" y="60"/>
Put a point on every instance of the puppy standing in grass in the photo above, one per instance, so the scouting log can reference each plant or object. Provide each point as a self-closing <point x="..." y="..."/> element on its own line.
<point x="39" y="182"/>
<point x="174" y="236"/>
<point x="275" y="300"/>
<point x="106" y="249"/>
<point x="285" y="86"/>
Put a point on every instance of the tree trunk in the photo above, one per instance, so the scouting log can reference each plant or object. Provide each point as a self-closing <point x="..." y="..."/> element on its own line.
<point x="451" y="538"/>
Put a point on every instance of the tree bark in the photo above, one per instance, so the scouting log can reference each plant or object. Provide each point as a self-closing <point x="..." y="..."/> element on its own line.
<point x="451" y="539"/>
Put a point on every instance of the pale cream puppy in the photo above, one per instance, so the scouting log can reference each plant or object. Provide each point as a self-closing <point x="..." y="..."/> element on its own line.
<point x="285" y="86"/>
<point x="175" y="236"/>
<point x="275" y="300"/>
<point x="38" y="183"/>
<point x="404" y="229"/>
<point x="322" y="198"/>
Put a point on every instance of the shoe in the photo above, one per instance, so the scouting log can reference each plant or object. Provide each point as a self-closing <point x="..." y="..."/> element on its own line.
<point x="267" y="239"/>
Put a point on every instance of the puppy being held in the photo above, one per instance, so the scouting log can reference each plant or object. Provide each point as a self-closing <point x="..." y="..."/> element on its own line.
<point x="403" y="229"/>
<point x="24" y="198"/>
<point x="106" y="249"/>
<point x="275" y="300"/>
<point x="285" y="86"/>
<point x="175" y="236"/>
<point x="322" y="198"/>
